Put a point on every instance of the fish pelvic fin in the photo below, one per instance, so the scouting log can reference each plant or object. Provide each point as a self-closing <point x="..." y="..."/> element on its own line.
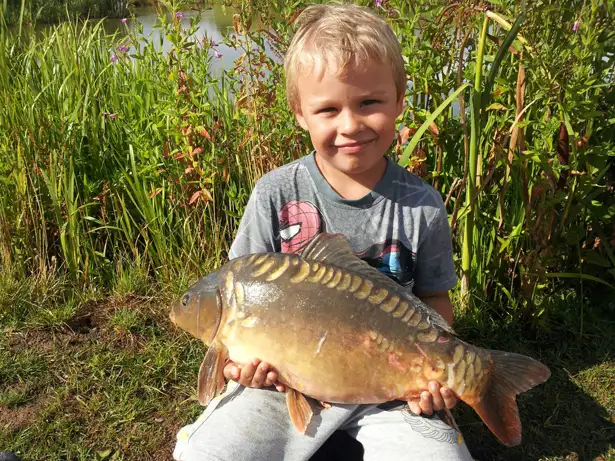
<point x="299" y="409"/>
<point x="511" y="375"/>
<point x="211" y="375"/>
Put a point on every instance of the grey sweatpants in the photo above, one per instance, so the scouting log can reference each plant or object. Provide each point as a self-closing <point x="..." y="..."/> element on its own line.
<point x="247" y="424"/>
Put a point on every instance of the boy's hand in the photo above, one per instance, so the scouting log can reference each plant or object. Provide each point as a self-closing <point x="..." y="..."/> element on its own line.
<point x="256" y="374"/>
<point x="437" y="398"/>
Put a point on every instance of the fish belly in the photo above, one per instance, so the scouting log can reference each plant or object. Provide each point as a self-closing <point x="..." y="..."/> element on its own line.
<point x="335" y="364"/>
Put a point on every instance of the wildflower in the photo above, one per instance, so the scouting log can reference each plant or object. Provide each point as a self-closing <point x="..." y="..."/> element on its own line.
<point x="122" y="49"/>
<point x="114" y="58"/>
<point x="179" y="15"/>
<point x="124" y="21"/>
<point x="378" y="3"/>
<point x="213" y="43"/>
<point x="576" y="25"/>
<point x="217" y="54"/>
<point x="109" y="115"/>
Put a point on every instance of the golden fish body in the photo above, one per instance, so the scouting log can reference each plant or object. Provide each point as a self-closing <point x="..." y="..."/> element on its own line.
<point x="339" y="331"/>
<point x="335" y="335"/>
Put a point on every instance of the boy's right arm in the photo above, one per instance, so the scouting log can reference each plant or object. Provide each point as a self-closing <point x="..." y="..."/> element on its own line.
<point x="256" y="233"/>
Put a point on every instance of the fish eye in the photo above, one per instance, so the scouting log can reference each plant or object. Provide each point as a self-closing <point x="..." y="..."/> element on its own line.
<point x="185" y="300"/>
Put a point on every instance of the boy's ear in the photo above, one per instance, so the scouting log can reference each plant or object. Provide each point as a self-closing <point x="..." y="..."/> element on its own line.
<point x="301" y="120"/>
<point x="400" y="104"/>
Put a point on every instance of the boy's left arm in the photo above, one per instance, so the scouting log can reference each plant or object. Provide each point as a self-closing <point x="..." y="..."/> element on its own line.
<point x="434" y="276"/>
<point x="440" y="302"/>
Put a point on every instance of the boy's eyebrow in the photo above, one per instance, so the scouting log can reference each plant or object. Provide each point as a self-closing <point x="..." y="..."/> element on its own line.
<point x="327" y="100"/>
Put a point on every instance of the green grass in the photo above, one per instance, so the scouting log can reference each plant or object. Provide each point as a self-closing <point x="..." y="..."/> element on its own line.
<point x="115" y="377"/>
<point x="116" y="381"/>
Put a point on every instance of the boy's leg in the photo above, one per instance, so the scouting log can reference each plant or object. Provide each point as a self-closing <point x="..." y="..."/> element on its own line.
<point x="253" y="424"/>
<point x="392" y="433"/>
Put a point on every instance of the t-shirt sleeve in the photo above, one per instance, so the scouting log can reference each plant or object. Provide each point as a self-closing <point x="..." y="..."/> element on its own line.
<point x="257" y="229"/>
<point x="435" y="270"/>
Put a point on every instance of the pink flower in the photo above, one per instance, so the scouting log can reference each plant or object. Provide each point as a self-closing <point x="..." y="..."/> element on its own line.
<point x="378" y="3"/>
<point x="109" y="115"/>
<point x="114" y="58"/>
<point x="576" y="26"/>
<point x="179" y="15"/>
<point x="124" y="20"/>
<point x="217" y="54"/>
<point x="122" y="49"/>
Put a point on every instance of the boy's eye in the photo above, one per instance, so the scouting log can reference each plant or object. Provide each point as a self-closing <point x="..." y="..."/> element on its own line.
<point x="325" y="109"/>
<point x="369" y="102"/>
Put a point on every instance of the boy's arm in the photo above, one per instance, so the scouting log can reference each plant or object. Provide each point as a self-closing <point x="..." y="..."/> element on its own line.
<point x="434" y="277"/>
<point x="440" y="302"/>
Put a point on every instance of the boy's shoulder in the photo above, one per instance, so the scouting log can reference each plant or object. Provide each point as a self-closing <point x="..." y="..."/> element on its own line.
<point x="398" y="184"/>
<point x="282" y="173"/>
<point x="408" y="189"/>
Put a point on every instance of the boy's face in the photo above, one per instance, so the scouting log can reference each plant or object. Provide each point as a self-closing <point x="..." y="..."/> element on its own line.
<point x="351" y="119"/>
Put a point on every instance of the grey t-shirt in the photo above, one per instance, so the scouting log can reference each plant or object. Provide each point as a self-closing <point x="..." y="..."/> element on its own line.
<point x="400" y="227"/>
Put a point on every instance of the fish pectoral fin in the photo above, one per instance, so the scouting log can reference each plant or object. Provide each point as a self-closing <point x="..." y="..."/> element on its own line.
<point x="211" y="376"/>
<point x="299" y="409"/>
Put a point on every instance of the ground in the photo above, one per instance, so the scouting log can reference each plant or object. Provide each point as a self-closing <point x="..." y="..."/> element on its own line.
<point x="113" y="379"/>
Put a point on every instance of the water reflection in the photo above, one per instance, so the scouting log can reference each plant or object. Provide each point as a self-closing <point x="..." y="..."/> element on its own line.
<point x="212" y="25"/>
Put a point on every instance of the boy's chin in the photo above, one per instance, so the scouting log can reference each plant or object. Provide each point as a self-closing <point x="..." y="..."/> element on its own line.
<point x="359" y="167"/>
<point x="350" y="164"/>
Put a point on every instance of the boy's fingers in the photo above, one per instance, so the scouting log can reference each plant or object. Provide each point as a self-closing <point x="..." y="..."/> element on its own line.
<point x="247" y="373"/>
<point x="280" y="387"/>
<point x="231" y="371"/>
<point x="426" y="403"/>
<point x="414" y="407"/>
<point x="260" y="375"/>
<point x="271" y="378"/>
<point x="450" y="399"/>
<point x="437" y="400"/>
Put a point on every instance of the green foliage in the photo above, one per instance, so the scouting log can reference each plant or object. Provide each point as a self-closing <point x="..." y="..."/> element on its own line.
<point x="138" y="168"/>
<point x="49" y="11"/>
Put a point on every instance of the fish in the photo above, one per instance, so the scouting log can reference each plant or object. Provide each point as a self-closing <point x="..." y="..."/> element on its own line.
<point x="337" y="330"/>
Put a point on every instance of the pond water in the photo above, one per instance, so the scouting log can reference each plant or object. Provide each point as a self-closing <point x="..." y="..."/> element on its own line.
<point x="213" y="23"/>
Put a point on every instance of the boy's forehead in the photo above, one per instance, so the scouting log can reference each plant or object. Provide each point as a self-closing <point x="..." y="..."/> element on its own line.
<point x="316" y="67"/>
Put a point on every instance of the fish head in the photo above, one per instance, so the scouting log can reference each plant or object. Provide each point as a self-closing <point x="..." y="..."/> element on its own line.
<point x="199" y="310"/>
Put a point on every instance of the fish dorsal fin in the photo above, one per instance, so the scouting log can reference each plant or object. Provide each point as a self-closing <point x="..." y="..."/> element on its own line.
<point x="335" y="250"/>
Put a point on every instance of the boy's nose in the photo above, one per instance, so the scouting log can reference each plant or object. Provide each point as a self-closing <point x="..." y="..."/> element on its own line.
<point x="350" y="123"/>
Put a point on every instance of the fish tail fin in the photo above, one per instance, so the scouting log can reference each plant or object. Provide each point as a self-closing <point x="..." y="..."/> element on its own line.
<point x="511" y="375"/>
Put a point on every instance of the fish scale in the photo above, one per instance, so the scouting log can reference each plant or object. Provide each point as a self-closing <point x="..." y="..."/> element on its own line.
<point x="339" y="331"/>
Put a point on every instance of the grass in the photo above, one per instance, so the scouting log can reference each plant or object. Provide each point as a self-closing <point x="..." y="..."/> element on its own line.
<point x="111" y="378"/>
<point x="114" y="381"/>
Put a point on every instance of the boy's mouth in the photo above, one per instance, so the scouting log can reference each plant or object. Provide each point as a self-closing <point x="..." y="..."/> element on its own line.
<point x="351" y="147"/>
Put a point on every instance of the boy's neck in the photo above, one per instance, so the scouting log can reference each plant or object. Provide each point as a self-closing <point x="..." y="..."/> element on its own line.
<point x="351" y="187"/>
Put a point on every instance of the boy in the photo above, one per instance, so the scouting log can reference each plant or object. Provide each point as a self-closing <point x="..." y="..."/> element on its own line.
<point x="345" y="84"/>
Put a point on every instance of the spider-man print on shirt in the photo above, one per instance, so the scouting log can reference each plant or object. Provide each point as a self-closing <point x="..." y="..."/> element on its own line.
<point x="392" y="258"/>
<point x="300" y="222"/>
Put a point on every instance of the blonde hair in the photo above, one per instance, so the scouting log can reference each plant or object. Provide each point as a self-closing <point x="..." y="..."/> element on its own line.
<point x="342" y="37"/>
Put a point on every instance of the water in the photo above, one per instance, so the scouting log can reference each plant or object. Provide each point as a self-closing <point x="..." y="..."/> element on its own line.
<point x="212" y="25"/>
